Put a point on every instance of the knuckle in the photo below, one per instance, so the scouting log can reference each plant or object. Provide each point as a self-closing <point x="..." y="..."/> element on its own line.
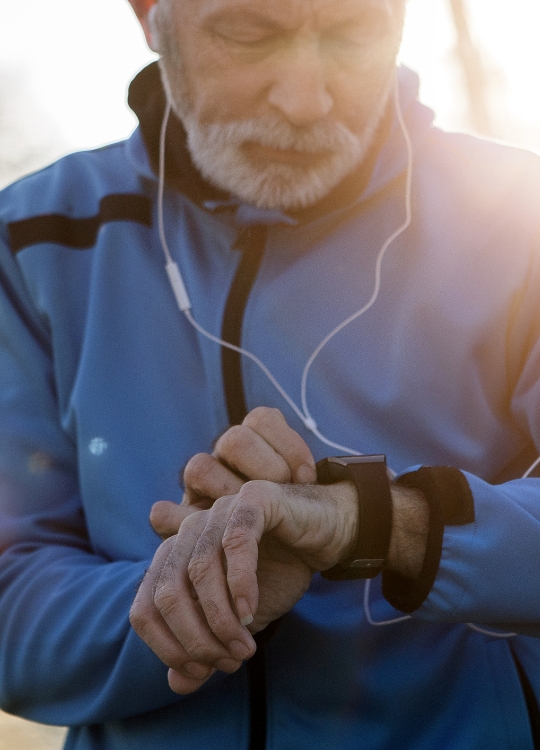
<point x="243" y="519"/>
<point x="166" y="603"/>
<point x="235" y="542"/>
<point x="138" y="617"/>
<point x="198" y="569"/>
<point x="252" y="492"/>
<point x="193" y="522"/>
<point x="143" y="622"/>
<point x="208" y="543"/>
<point x="215" y="617"/>
<point x="167" y="576"/>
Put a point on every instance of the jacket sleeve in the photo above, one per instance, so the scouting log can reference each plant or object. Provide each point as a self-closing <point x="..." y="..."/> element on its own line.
<point x="482" y="561"/>
<point x="67" y="652"/>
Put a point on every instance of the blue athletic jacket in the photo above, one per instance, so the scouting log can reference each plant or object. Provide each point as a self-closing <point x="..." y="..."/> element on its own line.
<point x="106" y="390"/>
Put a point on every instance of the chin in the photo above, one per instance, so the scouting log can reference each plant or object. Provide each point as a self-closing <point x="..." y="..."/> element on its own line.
<point x="218" y="152"/>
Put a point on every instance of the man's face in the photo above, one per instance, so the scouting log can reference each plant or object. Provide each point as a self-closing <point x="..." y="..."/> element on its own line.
<point x="280" y="98"/>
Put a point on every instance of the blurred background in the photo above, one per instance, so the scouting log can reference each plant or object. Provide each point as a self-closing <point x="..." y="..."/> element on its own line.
<point x="65" y="66"/>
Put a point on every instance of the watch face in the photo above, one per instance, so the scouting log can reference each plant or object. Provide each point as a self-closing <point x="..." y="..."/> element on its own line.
<point x="331" y="469"/>
<point x="346" y="460"/>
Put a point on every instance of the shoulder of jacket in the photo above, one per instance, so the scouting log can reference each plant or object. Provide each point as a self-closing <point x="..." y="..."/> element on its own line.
<point x="72" y="185"/>
<point x="64" y="201"/>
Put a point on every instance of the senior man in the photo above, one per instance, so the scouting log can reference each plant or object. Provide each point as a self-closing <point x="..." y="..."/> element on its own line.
<point x="285" y="253"/>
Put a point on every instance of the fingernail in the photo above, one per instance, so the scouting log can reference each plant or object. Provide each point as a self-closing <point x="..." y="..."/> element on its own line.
<point x="198" y="671"/>
<point x="306" y="474"/>
<point x="239" y="650"/>
<point x="243" y="611"/>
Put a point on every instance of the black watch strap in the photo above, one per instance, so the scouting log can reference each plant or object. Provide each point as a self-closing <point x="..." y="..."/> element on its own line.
<point x="370" y="477"/>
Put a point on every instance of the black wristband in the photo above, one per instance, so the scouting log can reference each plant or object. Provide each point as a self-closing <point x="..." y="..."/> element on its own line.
<point x="370" y="478"/>
<point x="451" y="503"/>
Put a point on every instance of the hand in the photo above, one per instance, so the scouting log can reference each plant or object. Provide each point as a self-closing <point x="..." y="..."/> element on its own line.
<point x="263" y="447"/>
<point x="246" y="561"/>
<point x="265" y="530"/>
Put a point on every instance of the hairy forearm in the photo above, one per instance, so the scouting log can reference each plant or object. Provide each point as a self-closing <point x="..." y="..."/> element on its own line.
<point x="409" y="532"/>
<point x="410" y="523"/>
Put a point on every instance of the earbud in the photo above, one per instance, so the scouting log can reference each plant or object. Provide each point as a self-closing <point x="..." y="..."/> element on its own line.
<point x="154" y="41"/>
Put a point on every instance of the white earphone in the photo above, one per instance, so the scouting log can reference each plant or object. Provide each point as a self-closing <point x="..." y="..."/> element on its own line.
<point x="154" y="41"/>
<point x="184" y="305"/>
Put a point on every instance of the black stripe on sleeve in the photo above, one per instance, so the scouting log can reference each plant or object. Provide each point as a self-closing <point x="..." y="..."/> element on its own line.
<point x="79" y="234"/>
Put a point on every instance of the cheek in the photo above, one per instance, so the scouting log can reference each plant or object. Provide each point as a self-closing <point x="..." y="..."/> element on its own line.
<point x="226" y="97"/>
<point x="357" y="101"/>
<point x="222" y="89"/>
<point x="359" y="90"/>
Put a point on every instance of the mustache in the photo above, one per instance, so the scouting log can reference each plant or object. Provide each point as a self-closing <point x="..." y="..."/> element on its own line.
<point x="274" y="132"/>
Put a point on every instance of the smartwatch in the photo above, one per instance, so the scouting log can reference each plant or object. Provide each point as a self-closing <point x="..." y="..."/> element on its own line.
<point x="370" y="478"/>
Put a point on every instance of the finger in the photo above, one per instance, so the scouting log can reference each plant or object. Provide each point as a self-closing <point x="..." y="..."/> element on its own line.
<point x="153" y="630"/>
<point x="205" y="476"/>
<point x="207" y="574"/>
<point x="247" y="523"/>
<point x="252" y="456"/>
<point x="166" y="517"/>
<point x="184" y="616"/>
<point x="271" y="425"/>
<point x="184" y="685"/>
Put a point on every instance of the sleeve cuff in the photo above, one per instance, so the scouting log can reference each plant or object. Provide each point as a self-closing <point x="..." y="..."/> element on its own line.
<point x="451" y="503"/>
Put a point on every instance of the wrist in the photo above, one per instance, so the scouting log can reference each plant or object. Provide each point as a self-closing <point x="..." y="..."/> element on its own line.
<point x="446" y="500"/>
<point x="408" y="538"/>
<point x="368" y="475"/>
<point x="346" y="499"/>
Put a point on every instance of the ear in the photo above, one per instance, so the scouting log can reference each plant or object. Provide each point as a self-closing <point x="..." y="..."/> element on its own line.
<point x="141" y="8"/>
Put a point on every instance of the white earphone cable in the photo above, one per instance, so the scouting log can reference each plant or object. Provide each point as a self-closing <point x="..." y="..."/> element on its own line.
<point x="531" y="468"/>
<point x="184" y="303"/>
<point x="179" y="288"/>
<point x="378" y="264"/>
<point x="303" y="414"/>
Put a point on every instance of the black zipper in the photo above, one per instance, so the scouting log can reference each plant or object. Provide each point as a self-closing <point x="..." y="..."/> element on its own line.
<point x="531" y="701"/>
<point x="251" y="242"/>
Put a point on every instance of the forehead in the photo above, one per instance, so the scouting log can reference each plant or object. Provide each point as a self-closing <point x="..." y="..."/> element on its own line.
<point x="291" y="13"/>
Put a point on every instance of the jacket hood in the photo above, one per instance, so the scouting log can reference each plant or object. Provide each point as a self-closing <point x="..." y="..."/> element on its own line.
<point x="385" y="161"/>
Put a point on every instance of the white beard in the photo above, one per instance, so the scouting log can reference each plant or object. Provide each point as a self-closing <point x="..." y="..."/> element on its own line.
<point x="216" y="148"/>
<point x="217" y="151"/>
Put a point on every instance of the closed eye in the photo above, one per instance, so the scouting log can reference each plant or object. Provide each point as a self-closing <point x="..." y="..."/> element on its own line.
<point x="243" y="28"/>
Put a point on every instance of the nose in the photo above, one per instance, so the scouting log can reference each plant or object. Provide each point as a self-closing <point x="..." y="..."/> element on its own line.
<point x="299" y="87"/>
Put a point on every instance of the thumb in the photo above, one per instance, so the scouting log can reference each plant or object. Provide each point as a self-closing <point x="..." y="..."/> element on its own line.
<point x="166" y="517"/>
